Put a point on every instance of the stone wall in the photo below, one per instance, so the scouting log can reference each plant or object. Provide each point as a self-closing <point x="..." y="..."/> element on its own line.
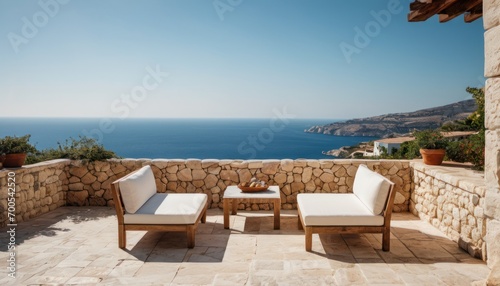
<point x="89" y="184"/>
<point x="452" y="200"/>
<point x="491" y="17"/>
<point x="444" y="196"/>
<point x="39" y="188"/>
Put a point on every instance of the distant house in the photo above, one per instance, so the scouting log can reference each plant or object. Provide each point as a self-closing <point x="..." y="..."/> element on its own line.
<point x="391" y="144"/>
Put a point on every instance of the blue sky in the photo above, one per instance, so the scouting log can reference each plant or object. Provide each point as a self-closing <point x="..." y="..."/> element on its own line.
<point x="230" y="58"/>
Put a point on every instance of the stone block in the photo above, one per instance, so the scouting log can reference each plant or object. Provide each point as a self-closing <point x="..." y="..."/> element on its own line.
<point x="193" y="164"/>
<point x="493" y="242"/>
<point x="300" y="163"/>
<point x="491" y="13"/>
<point x="270" y="167"/>
<point x="101" y="166"/>
<point x="244" y="175"/>
<point x="78" y="171"/>
<point x="297" y="187"/>
<point x="494" y="276"/>
<point x="313" y="163"/>
<point x="185" y="175"/>
<point x="399" y="199"/>
<point x="255" y="164"/>
<point x="214" y="170"/>
<point x="238" y="164"/>
<point x="206" y="163"/>
<point x="492" y="159"/>
<point x="341" y="172"/>
<point x="43" y="175"/>
<point x="76" y="187"/>
<point x="351" y="171"/>
<point x="297" y="177"/>
<point x="317" y="172"/>
<point x="88" y="179"/>
<point x="211" y="181"/>
<point x="307" y="174"/>
<point x="492" y="103"/>
<point x="492" y="52"/>
<point x="198" y="183"/>
<point x="287" y="165"/>
<point x="310" y="187"/>
<point x="198" y="174"/>
<point x="171" y="177"/>
<point x="78" y="198"/>
<point x="280" y="178"/>
<point x="327" y="178"/>
<point x="229" y="175"/>
<point x="325" y="164"/>
<point x="492" y="203"/>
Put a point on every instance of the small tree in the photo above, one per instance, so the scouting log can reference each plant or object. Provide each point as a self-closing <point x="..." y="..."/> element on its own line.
<point x="471" y="149"/>
<point x="476" y="119"/>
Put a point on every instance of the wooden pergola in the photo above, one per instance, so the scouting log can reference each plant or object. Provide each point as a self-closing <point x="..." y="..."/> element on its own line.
<point x="421" y="10"/>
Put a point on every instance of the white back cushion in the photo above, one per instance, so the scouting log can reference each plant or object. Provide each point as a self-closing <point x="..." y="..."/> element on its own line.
<point x="371" y="188"/>
<point x="137" y="188"/>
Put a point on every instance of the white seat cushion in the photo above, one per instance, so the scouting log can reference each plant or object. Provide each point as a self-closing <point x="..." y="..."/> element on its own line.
<point x="165" y="208"/>
<point x="371" y="188"/>
<point x="335" y="210"/>
<point x="137" y="188"/>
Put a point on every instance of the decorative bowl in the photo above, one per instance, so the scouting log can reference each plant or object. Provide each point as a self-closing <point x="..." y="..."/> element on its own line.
<point x="252" y="189"/>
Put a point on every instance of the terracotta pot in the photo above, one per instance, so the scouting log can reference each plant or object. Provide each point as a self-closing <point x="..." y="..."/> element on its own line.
<point x="433" y="156"/>
<point x="14" y="160"/>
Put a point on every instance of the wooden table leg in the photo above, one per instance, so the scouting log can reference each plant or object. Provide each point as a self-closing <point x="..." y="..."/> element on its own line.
<point x="226" y="213"/>
<point x="277" y="208"/>
<point x="234" y="203"/>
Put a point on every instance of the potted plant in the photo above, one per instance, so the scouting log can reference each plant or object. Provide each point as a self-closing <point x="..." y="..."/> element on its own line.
<point x="14" y="150"/>
<point x="432" y="146"/>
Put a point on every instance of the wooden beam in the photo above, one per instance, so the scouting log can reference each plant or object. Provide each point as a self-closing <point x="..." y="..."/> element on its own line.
<point x="474" y="13"/>
<point x="429" y="9"/>
<point x="419" y="4"/>
<point x="468" y="18"/>
<point x="458" y="8"/>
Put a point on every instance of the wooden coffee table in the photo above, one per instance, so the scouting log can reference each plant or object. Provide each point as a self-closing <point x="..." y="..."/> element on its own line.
<point x="232" y="195"/>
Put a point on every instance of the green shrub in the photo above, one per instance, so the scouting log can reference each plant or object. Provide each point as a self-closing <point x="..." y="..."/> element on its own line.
<point x="470" y="149"/>
<point x="408" y="150"/>
<point x="13" y="145"/>
<point x="86" y="149"/>
<point x="430" y="139"/>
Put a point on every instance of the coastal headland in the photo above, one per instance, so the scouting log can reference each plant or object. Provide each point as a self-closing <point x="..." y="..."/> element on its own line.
<point x="398" y="124"/>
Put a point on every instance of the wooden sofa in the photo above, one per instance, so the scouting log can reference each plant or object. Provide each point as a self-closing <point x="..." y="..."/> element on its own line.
<point x="140" y="207"/>
<point x="367" y="210"/>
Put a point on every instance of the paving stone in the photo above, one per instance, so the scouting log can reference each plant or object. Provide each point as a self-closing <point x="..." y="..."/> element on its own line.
<point x="78" y="245"/>
<point x="349" y="276"/>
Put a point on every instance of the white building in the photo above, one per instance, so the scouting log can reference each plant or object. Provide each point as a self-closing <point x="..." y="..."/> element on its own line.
<point x="395" y="143"/>
<point x="389" y="144"/>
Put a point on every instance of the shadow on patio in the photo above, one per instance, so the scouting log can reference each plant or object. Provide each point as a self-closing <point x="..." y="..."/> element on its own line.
<point x="79" y="245"/>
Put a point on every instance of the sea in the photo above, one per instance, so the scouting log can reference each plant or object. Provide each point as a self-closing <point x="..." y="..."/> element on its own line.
<point x="275" y="138"/>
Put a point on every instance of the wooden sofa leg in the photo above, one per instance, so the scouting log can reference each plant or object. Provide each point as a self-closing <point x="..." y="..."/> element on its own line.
<point x="386" y="239"/>
<point x="190" y="231"/>
<point x="309" y="240"/>
<point x="204" y="216"/>
<point x="122" y="236"/>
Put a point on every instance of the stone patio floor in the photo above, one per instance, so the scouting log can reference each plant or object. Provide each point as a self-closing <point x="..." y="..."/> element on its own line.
<point x="78" y="245"/>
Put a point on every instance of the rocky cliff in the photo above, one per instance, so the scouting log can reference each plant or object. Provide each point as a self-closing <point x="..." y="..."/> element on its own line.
<point x="398" y="123"/>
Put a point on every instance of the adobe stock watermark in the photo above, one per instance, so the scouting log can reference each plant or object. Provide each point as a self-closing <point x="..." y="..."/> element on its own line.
<point x="255" y="143"/>
<point x="223" y="6"/>
<point x="123" y="105"/>
<point x="363" y="36"/>
<point x="30" y="27"/>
